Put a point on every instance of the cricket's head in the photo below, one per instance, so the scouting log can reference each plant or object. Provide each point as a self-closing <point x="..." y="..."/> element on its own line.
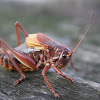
<point x="64" y="58"/>
<point x="66" y="54"/>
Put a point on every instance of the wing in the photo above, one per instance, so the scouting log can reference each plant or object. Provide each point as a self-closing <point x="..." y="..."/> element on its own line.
<point x="32" y="41"/>
<point x="40" y="41"/>
<point x="45" y="41"/>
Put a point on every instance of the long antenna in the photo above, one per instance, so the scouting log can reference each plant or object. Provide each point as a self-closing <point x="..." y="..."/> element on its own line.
<point x="74" y="44"/>
<point x="73" y="50"/>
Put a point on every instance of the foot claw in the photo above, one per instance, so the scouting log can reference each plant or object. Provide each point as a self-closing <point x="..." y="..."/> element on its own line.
<point x="71" y="81"/>
<point x="56" y="95"/>
<point x="17" y="82"/>
<point x="22" y="78"/>
<point x="76" y="69"/>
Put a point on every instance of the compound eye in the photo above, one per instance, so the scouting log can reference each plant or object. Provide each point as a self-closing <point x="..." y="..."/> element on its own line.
<point x="64" y="56"/>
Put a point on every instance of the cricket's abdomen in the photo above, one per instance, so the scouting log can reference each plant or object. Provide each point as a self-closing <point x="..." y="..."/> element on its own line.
<point x="7" y="64"/>
<point x="39" y="56"/>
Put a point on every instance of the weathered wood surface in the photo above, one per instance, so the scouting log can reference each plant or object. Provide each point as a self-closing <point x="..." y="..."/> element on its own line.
<point x="34" y="87"/>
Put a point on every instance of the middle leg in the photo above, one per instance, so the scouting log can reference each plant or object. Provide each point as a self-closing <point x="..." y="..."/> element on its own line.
<point x="46" y="68"/>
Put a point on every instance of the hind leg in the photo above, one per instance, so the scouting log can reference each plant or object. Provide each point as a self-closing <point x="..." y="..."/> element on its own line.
<point x="15" y="65"/>
<point x="21" y="57"/>
<point x="17" y="24"/>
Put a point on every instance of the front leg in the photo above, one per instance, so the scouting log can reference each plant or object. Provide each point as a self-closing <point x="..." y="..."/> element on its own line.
<point x="72" y="64"/>
<point x="46" y="68"/>
<point x="60" y="73"/>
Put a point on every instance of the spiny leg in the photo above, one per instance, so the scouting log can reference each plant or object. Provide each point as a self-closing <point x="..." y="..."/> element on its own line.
<point x="23" y="58"/>
<point x="17" y="24"/>
<point x="72" y="64"/>
<point x="15" y="65"/>
<point x="60" y="73"/>
<point x="46" y="68"/>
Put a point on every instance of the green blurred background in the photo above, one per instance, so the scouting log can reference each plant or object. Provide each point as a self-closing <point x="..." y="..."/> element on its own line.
<point x="62" y="20"/>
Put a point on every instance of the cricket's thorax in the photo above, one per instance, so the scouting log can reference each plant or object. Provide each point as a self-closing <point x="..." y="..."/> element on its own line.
<point x="41" y="57"/>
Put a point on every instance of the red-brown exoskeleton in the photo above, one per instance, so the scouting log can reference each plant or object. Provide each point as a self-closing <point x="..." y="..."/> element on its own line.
<point x="36" y="53"/>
